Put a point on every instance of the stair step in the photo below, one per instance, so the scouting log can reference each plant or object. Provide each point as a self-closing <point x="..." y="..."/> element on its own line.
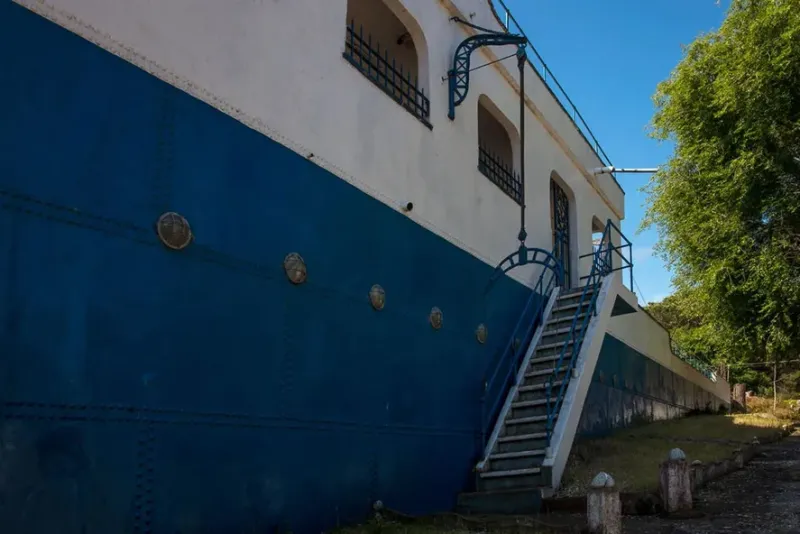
<point x="558" y="332"/>
<point x="567" y="307"/>
<point x="513" y="455"/>
<point x="544" y="359"/>
<point x="564" y="319"/>
<point x="521" y="442"/>
<point x="526" y="426"/>
<point x="537" y="387"/>
<point x="522" y="437"/>
<point x="523" y="420"/>
<point x="506" y="479"/>
<point x="555" y="345"/>
<point x="575" y="298"/>
<point x="531" y="404"/>
<point x="530" y="408"/>
<point x="512" y="473"/>
<point x="544" y="372"/>
<point x="519" y="501"/>
<point x="572" y="293"/>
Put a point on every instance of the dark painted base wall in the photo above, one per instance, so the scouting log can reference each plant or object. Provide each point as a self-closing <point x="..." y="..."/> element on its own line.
<point x="146" y="390"/>
<point x="628" y="388"/>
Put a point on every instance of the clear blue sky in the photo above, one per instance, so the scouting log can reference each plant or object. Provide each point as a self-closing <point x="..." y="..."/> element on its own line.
<point x="609" y="55"/>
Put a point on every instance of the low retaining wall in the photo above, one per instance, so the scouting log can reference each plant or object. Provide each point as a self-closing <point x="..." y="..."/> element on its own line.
<point x="630" y="388"/>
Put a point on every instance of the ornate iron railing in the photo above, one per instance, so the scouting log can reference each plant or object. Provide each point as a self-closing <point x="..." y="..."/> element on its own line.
<point x="402" y="86"/>
<point x="698" y="364"/>
<point x="602" y="265"/>
<point x="499" y="382"/>
<point x="500" y="173"/>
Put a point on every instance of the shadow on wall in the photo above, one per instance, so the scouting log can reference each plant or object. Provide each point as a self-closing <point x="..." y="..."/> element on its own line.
<point x="630" y="389"/>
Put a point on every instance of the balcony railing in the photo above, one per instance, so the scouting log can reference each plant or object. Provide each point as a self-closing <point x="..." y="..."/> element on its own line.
<point x="383" y="71"/>
<point x="501" y="174"/>
<point x="705" y="369"/>
<point x="546" y="75"/>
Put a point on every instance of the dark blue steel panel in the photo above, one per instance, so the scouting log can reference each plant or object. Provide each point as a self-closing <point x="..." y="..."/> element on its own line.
<point x="644" y="391"/>
<point x="56" y="474"/>
<point x="264" y="404"/>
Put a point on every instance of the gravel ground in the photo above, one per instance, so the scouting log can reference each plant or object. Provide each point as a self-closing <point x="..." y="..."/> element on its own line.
<point x="764" y="497"/>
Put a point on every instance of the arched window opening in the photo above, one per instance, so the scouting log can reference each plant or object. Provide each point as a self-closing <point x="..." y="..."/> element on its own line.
<point x="496" y="150"/>
<point x="387" y="52"/>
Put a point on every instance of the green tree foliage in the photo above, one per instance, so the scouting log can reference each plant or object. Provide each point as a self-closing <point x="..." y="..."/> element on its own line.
<point x="727" y="205"/>
<point x="683" y="315"/>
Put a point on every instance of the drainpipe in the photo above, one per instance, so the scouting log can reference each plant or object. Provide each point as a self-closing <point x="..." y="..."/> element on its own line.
<point x="612" y="169"/>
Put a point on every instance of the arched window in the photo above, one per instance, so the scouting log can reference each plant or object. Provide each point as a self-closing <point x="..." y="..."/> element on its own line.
<point x="559" y="220"/>
<point x="496" y="149"/>
<point x="390" y="51"/>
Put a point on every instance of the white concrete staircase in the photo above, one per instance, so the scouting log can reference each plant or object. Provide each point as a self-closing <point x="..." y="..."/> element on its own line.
<point x="524" y="459"/>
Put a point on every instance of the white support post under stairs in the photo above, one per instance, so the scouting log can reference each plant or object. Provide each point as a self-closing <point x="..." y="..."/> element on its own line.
<point x="575" y="396"/>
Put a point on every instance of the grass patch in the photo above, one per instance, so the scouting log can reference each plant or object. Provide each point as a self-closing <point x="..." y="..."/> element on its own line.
<point x="632" y="456"/>
<point x="739" y="427"/>
<point x="786" y="408"/>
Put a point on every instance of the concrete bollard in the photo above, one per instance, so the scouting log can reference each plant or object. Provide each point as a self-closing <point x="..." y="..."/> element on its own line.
<point x="603" y="506"/>
<point x="738" y="459"/>
<point x="676" y="484"/>
<point x="696" y="473"/>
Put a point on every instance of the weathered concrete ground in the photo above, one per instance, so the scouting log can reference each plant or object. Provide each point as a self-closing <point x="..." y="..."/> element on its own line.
<point x="764" y="497"/>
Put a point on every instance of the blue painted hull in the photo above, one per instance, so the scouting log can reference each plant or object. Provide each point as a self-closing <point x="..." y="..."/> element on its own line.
<point x="147" y="390"/>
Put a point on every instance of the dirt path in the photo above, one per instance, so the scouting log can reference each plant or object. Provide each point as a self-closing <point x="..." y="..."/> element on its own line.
<point x="764" y="497"/>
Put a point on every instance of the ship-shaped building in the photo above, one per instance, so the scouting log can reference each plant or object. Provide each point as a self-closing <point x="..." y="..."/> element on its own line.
<point x="266" y="262"/>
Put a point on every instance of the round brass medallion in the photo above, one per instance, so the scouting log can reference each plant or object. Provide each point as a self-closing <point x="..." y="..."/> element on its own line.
<point x="436" y="318"/>
<point x="481" y="333"/>
<point x="295" y="268"/>
<point x="174" y="231"/>
<point x="377" y="297"/>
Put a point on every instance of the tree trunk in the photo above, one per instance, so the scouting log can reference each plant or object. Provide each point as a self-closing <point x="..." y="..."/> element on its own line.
<point x="739" y="402"/>
<point x="775" y="385"/>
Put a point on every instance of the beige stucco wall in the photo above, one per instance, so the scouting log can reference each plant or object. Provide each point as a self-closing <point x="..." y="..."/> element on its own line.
<point x="643" y="333"/>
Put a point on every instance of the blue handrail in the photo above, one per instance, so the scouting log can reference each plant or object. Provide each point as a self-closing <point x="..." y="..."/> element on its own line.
<point x="623" y="251"/>
<point x="602" y="265"/>
<point x="496" y="387"/>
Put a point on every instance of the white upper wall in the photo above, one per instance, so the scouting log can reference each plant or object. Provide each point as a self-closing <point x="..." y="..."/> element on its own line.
<point x="277" y="66"/>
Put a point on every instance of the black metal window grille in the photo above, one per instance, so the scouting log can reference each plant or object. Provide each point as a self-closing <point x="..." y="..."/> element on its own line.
<point x="385" y="73"/>
<point x="500" y="173"/>
<point x="559" y="206"/>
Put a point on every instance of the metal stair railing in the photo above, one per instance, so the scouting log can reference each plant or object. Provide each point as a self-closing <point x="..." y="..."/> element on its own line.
<point x="497" y="386"/>
<point x="602" y="265"/>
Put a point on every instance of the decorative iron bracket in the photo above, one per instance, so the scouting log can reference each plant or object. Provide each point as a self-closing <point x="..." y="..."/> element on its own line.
<point x="458" y="76"/>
